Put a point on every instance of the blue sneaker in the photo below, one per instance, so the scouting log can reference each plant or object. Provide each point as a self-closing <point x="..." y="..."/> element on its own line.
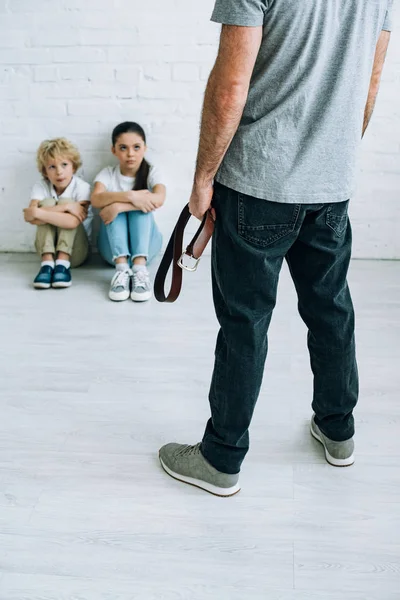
<point x="43" y="279"/>
<point x="61" y="277"/>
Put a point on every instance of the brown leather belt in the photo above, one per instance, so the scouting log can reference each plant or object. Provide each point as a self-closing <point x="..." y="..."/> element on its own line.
<point x="187" y="260"/>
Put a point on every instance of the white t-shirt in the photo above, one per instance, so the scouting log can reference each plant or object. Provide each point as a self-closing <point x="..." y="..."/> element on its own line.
<point x="78" y="190"/>
<point x="114" y="181"/>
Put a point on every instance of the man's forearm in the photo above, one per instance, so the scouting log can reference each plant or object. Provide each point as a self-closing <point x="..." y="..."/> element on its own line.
<point x="369" y="108"/>
<point x="379" y="60"/>
<point x="222" y="111"/>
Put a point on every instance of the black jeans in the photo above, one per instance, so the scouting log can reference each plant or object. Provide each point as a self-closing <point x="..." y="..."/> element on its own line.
<point x="251" y="239"/>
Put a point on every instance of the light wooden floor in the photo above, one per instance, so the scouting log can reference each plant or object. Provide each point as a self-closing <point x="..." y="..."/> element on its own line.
<point x="91" y="389"/>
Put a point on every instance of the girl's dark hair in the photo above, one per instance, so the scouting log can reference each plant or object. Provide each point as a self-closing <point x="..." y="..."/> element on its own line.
<point x="142" y="176"/>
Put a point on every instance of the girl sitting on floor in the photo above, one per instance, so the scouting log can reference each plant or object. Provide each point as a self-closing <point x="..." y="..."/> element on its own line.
<point x="127" y="196"/>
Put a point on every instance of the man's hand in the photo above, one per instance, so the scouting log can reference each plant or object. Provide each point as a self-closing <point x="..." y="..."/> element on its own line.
<point x="78" y="210"/>
<point x="200" y="200"/>
<point x="143" y="200"/>
<point x="110" y="212"/>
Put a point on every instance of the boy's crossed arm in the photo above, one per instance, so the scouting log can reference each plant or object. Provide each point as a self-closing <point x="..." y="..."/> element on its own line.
<point x="65" y="216"/>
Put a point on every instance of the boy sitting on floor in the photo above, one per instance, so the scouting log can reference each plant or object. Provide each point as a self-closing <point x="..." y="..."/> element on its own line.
<point x="60" y="208"/>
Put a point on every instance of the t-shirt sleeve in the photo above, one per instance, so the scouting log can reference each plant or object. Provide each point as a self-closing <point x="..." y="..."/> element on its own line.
<point x="104" y="177"/>
<point x="248" y="13"/>
<point x="83" y="192"/>
<point x="155" y="177"/>
<point x="39" y="191"/>
<point x="387" y="25"/>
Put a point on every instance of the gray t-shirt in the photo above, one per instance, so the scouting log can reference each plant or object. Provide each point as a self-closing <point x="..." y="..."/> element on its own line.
<point x="301" y="129"/>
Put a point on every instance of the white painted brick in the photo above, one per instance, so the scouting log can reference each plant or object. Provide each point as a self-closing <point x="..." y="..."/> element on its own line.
<point x="157" y="72"/>
<point x="389" y="143"/>
<point x="190" y="109"/>
<point x="27" y="6"/>
<point x="185" y="72"/>
<point x="205" y="71"/>
<point x="16" y="21"/>
<point x="162" y="89"/>
<point x="45" y="73"/>
<point x="148" y="35"/>
<point x="81" y="108"/>
<point x="173" y="125"/>
<point x="15" y="127"/>
<point x="49" y="128"/>
<point x="82" y="19"/>
<point x="15" y="90"/>
<point x="381" y="163"/>
<point x="34" y="129"/>
<point x="79" y="55"/>
<point x="12" y="39"/>
<point x="87" y="72"/>
<point x="100" y="5"/>
<point x="64" y="90"/>
<point x="109" y="37"/>
<point x="125" y="91"/>
<point x="130" y="75"/>
<point x="40" y="109"/>
<point x="57" y="37"/>
<point x="85" y="126"/>
<point x="153" y="106"/>
<point x="174" y="53"/>
<point x="7" y="109"/>
<point x="24" y="146"/>
<point x="25" y="56"/>
<point x="5" y="74"/>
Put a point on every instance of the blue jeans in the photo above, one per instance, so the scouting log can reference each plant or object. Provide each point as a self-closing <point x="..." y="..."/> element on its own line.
<point x="252" y="237"/>
<point x="131" y="234"/>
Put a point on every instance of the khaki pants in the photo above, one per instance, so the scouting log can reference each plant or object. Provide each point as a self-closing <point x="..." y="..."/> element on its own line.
<point x="51" y="239"/>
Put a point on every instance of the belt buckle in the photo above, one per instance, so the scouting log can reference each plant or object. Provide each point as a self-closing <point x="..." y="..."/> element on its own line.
<point x="187" y="267"/>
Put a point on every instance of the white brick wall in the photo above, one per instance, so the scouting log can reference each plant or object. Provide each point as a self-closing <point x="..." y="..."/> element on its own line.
<point x="77" y="68"/>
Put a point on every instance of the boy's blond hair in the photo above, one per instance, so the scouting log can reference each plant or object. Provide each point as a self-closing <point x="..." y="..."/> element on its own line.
<point x="59" y="147"/>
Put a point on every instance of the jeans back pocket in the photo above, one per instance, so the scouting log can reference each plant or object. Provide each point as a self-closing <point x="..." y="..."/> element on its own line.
<point x="337" y="217"/>
<point x="263" y="223"/>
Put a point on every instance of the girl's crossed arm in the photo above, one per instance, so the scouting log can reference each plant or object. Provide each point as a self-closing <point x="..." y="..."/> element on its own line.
<point x="114" y="203"/>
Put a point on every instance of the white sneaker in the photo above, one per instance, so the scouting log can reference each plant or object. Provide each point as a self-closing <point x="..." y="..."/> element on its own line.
<point x="141" y="286"/>
<point x="120" y="286"/>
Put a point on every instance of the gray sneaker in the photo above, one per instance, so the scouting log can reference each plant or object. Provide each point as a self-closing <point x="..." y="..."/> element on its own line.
<point x="141" y="286"/>
<point x="120" y="286"/>
<point x="187" y="464"/>
<point x="338" y="454"/>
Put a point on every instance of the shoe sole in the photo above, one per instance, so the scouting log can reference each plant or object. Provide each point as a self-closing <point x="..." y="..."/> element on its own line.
<point x="61" y="284"/>
<point x="119" y="297"/>
<point x="334" y="462"/>
<point x="202" y="485"/>
<point x="42" y="286"/>
<point x="141" y="297"/>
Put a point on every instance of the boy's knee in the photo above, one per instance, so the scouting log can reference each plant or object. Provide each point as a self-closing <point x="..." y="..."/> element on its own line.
<point x="64" y="201"/>
<point x="47" y="202"/>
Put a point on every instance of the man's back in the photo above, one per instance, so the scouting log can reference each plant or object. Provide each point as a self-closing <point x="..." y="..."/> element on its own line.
<point x="299" y="78"/>
<point x="302" y="124"/>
